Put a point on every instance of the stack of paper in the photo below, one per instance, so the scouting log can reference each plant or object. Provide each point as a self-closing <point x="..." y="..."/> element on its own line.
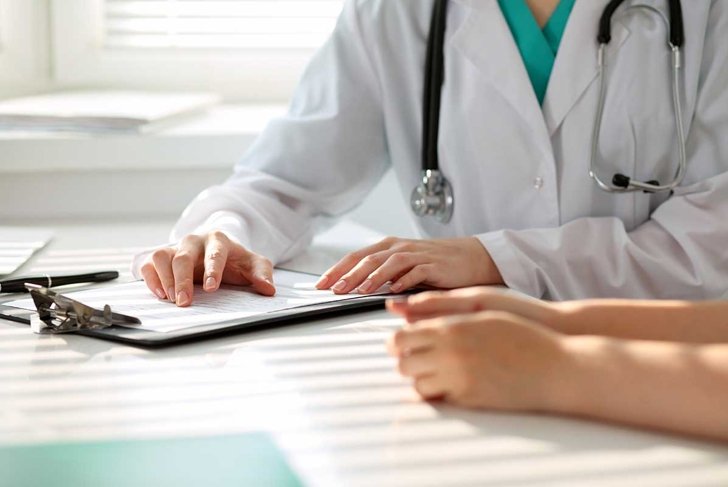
<point x="229" y="303"/>
<point x="17" y="245"/>
<point x="101" y="111"/>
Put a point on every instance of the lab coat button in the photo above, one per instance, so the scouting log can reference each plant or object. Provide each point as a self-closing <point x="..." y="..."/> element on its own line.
<point x="538" y="183"/>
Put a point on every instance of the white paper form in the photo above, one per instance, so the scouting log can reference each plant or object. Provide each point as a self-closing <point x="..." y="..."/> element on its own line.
<point x="293" y="290"/>
<point x="17" y="245"/>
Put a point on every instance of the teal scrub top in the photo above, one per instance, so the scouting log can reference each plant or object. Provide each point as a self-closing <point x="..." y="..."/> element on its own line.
<point x="538" y="47"/>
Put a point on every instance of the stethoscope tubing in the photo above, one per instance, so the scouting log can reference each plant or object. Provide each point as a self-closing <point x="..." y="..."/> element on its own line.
<point x="434" y="80"/>
<point x="676" y="68"/>
<point x="434" y="195"/>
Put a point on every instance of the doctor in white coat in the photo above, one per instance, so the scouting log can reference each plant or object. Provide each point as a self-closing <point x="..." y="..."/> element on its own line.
<point x="526" y="212"/>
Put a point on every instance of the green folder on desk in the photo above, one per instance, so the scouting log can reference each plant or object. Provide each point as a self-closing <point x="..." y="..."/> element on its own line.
<point x="242" y="460"/>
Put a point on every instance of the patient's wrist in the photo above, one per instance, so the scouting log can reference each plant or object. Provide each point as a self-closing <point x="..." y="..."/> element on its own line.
<point x="567" y="317"/>
<point x="578" y="388"/>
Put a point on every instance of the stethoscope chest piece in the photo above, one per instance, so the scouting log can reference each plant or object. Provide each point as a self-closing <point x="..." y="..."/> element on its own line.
<point x="433" y="197"/>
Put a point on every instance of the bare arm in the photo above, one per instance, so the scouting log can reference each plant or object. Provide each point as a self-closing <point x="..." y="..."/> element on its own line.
<point x="500" y="360"/>
<point x="676" y="321"/>
<point x="673" y="387"/>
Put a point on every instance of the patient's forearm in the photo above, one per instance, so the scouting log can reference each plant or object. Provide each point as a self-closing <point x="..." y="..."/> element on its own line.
<point x="680" y="388"/>
<point x="678" y="321"/>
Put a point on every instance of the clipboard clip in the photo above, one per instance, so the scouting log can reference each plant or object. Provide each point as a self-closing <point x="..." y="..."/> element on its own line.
<point x="60" y="314"/>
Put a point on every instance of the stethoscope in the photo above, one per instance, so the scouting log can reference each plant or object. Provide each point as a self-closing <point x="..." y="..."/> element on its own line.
<point x="434" y="197"/>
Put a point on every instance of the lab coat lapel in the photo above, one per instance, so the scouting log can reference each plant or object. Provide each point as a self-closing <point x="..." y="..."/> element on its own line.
<point x="576" y="67"/>
<point x="486" y="41"/>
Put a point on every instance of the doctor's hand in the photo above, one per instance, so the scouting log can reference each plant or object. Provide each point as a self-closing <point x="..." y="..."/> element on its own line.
<point x="444" y="264"/>
<point x="491" y="359"/>
<point x="211" y="259"/>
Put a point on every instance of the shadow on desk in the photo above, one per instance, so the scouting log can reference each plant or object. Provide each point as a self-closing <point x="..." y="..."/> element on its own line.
<point x="572" y="451"/>
<point x="331" y="398"/>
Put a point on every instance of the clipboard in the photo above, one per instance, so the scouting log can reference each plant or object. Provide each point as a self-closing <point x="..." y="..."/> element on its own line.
<point x="136" y="334"/>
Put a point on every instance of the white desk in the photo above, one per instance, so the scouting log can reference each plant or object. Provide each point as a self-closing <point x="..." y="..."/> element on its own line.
<point x="326" y="392"/>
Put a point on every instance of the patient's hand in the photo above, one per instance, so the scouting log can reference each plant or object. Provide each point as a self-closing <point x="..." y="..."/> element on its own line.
<point x="490" y="359"/>
<point x="472" y="300"/>
<point x="211" y="259"/>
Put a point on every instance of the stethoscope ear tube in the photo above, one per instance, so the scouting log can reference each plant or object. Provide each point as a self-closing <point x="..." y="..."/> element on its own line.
<point x="677" y="24"/>
<point x="677" y="27"/>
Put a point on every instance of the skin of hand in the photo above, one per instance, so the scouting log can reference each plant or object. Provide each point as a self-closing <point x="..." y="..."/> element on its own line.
<point x="490" y="359"/>
<point x="211" y="259"/>
<point x="436" y="304"/>
<point x="406" y="263"/>
<point x="500" y="360"/>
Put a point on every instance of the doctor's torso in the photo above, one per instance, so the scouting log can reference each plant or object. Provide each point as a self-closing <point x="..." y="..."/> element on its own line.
<point x="514" y="163"/>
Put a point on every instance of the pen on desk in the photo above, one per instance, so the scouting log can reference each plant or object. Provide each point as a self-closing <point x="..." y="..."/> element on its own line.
<point x="17" y="285"/>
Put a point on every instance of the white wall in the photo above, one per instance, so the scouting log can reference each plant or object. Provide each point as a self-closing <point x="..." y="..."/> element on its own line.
<point x="128" y="195"/>
<point x="386" y="210"/>
<point x="24" y="47"/>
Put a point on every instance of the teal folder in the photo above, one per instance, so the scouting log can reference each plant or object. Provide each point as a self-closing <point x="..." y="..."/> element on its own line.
<point x="242" y="460"/>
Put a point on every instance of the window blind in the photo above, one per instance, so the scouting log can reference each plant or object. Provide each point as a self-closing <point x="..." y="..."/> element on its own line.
<point x="226" y="24"/>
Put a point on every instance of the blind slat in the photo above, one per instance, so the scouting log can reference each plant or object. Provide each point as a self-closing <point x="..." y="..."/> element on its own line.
<point x="189" y="24"/>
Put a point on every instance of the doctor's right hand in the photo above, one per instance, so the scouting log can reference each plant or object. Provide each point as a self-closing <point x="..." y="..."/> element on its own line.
<point x="211" y="259"/>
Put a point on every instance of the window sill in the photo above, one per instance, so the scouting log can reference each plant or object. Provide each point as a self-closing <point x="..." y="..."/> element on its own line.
<point x="71" y="176"/>
<point x="213" y="140"/>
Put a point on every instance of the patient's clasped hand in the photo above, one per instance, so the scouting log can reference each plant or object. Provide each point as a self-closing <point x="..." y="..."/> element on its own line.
<point x="660" y="365"/>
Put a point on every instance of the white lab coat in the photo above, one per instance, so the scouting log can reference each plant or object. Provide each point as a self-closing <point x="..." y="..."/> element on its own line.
<point x="519" y="170"/>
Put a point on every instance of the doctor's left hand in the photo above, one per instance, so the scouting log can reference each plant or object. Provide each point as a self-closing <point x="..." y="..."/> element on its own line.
<point x="445" y="264"/>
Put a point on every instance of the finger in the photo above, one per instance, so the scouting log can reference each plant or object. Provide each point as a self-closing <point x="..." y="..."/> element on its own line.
<point x="461" y="301"/>
<point x="346" y="264"/>
<point x="162" y="260"/>
<point x="216" y="254"/>
<point x="151" y="279"/>
<point x="436" y="323"/>
<point x="401" y="305"/>
<point x="418" y="364"/>
<point x="259" y="272"/>
<point x="407" y="341"/>
<point x="431" y="387"/>
<point x="430" y="305"/>
<point x="396" y="265"/>
<point x="357" y="276"/>
<point x="189" y="253"/>
<point x="397" y="305"/>
<point x="414" y="277"/>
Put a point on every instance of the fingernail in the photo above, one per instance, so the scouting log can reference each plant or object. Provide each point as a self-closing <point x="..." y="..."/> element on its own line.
<point x="182" y="298"/>
<point x="340" y="286"/>
<point x="366" y="286"/>
<point x="398" y="300"/>
<point x="160" y="294"/>
<point x="396" y="287"/>
<point x="264" y="278"/>
<point x="323" y="281"/>
<point x="210" y="283"/>
<point x="170" y="294"/>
